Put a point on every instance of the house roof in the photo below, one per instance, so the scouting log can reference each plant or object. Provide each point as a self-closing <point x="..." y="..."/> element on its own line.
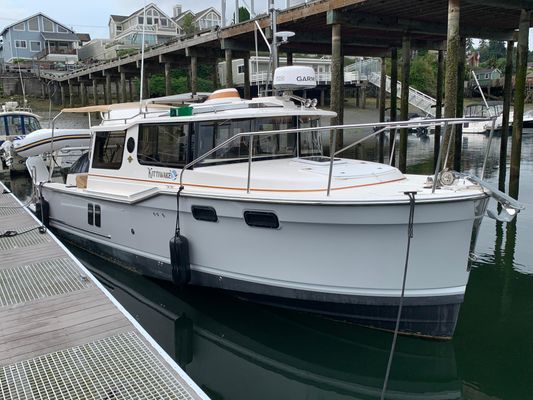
<point x="84" y="37"/>
<point x="486" y="70"/>
<point x="200" y="14"/>
<point x="30" y="17"/>
<point x="67" y="37"/>
<point x="118" y="18"/>
<point x="182" y="15"/>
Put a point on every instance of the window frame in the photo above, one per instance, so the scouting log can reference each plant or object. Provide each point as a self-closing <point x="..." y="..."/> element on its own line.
<point x="44" y="25"/>
<point x="162" y="164"/>
<point x="23" y="23"/>
<point x="38" y="25"/>
<point x="40" y="46"/>
<point x="108" y="165"/>
<point x="20" y="41"/>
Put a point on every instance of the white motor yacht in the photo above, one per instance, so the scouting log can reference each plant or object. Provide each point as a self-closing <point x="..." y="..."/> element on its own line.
<point x="263" y="214"/>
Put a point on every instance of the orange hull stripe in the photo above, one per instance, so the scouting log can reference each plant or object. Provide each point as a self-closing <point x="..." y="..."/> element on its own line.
<point x="251" y="189"/>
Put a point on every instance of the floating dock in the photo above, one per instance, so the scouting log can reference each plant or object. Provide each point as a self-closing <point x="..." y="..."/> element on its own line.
<point x="62" y="335"/>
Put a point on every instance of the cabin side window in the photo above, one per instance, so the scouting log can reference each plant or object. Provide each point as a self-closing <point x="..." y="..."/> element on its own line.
<point x="108" y="149"/>
<point x="310" y="142"/>
<point x="211" y="134"/>
<point x="163" y="145"/>
<point x="275" y="145"/>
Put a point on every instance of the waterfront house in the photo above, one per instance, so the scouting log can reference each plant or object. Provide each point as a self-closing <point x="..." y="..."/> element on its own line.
<point x="491" y="80"/>
<point x="189" y="22"/>
<point x="126" y="31"/>
<point x="40" y="38"/>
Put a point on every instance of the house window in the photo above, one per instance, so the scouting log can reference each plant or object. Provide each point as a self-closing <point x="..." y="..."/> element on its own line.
<point x="148" y="20"/>
<point x="21" y="44"/>
<point x="33" y="24"/>
<point x="141" y="20"/>
<point x="48" y="26"/>
<point x="20" y="27"/>
<point x="35" y="46"/>
<point x="240" y="69"/>
<point x="119" y="28"/>
<point x="62" y="29"/>
<point x="164" y="22"/>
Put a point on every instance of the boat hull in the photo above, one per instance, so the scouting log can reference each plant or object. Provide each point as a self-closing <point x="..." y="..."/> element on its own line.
<point x="342" y="261"/>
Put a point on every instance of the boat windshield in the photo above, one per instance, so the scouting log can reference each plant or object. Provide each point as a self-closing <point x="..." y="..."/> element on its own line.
<point x="18" y="124"/>
<point x="480" y="110"/>
<point x="210" y="134"/>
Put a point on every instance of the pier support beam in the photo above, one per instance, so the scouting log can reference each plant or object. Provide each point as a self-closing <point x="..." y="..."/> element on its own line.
<point x="438" y="105"/>
<point x="458" y="139"/>
<point x="194" y="74"/>
<point x="168" y="79"/>
<point x="146" y="87"/>
<point x="117" y="91"/>
<point x="62" y="90"/>
<point x="70" y="95"/>
<point x="130" y="84"/>
<point x="452" y="70"/>
<point x="507" y="93"/>
<point x="382" y="106"/>
<point x="393" y="99"/>
<point x="83" y="94"/>
<point x="289" y="58"/>
<point x="247" y="86"/>
<point x="337" y="83"/>
<point x="107" y="89"/>
<point x="123" y="87"/>
<point x="229" y="68"/>
<point x="406" y="70"/>
<point x="519" y="100"/>
<point x="95" y="92"/>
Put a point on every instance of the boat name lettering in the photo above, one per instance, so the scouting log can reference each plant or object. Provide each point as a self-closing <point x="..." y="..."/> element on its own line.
<point x="172" y="174"/>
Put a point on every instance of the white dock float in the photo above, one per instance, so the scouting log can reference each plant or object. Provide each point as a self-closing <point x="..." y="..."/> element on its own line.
<point x="62" y="335"/>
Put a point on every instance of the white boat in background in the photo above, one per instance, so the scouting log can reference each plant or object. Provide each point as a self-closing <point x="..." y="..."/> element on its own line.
<point x="15" y="123"/>
<point x="236" y="195"/>
<point x="480" y="110"/>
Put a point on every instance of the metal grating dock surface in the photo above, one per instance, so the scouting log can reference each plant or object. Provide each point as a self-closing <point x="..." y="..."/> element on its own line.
<point x="117" y="367"/>
<point x="27" y="239"/>
<point x="36" y="281"/>
<point x="62" y="334"/>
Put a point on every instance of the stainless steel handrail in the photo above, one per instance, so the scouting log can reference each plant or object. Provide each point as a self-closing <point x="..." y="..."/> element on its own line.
<point x="332" y="129"/>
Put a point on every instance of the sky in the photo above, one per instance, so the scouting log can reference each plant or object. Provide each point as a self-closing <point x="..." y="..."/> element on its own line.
<point x="92" y="16"/>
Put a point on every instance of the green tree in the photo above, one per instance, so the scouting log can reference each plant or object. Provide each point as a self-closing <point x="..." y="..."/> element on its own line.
<point x="244" y="14"/>
<point x="423" y="74"/>
<point x="188" y="24"/>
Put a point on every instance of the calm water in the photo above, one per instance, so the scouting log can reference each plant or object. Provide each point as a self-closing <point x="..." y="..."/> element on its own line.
<point x="238" y="350"/>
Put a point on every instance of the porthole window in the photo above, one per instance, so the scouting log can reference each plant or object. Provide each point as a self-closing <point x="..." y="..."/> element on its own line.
<point x="130" y="145"/>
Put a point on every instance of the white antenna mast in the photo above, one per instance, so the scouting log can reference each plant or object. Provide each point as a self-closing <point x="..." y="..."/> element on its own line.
<point x="142" y="61"/>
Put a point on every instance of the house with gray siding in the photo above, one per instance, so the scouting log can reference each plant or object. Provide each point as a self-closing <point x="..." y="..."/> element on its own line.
<point x="39" y="38"/>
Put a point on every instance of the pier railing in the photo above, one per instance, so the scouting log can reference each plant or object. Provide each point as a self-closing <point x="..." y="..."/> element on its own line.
<point x="448" y="125"/>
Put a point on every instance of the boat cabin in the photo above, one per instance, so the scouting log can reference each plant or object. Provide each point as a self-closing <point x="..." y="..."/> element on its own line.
<point x="174" y="141"/>
<point x="17" y="123"/>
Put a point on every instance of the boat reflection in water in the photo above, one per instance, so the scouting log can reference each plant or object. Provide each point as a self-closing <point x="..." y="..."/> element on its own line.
<point x="239" y="350"/>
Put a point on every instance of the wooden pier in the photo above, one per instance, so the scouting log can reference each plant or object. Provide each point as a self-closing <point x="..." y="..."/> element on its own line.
<point x="62" y="335"/>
